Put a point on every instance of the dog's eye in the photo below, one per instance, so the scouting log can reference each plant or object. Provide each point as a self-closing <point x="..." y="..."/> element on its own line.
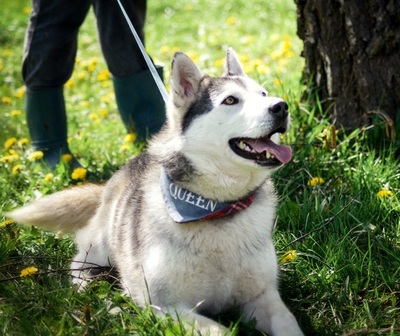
<point x="231" y="100"/>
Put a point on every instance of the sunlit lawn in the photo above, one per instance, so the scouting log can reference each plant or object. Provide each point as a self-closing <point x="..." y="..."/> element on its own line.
<point x="338" y="228"/>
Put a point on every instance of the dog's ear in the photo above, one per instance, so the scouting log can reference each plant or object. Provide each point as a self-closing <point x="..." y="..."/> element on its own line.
<point x="185" y="79"/>
<point x="233" y="66"/>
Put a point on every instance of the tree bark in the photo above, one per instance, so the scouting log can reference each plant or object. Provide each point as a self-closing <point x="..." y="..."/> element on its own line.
<point x="352" y="57"/>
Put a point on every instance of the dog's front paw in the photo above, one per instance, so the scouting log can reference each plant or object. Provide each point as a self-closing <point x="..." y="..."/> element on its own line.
<point x="79" y="281"/>
<point x="213" y="331"/>
<point x="285" y="325"/>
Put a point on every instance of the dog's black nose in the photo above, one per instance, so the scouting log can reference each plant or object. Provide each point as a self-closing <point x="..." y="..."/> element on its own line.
<point x="279" y="109"/>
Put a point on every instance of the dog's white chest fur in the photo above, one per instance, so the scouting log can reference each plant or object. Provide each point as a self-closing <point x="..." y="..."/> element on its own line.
<point x="212" y="264"/>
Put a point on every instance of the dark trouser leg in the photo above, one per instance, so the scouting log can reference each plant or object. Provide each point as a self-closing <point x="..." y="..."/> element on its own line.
<point x="139" y="102"/>
<point x="49" y="56"/>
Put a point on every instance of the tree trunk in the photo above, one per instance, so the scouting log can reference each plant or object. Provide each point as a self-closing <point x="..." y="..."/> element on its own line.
<point x="352" y="57"/>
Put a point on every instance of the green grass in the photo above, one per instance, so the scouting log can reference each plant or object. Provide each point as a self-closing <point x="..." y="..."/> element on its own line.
<point x="342" y="274"/>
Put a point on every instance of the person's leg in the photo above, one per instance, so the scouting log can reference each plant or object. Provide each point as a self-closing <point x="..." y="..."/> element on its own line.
<point x="49" y="56"/>
<point x="139" y="102"/>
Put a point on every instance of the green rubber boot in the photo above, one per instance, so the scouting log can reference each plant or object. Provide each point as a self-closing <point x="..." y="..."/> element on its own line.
<point x="47" y="123"/>
<point x="140" y="103"/>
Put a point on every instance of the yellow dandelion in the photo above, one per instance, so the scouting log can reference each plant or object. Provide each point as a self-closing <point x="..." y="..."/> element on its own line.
<point x="23" y="142"/>
<point x="245" y="58"/>
<point x="1" y="64"/>
<point x="94" y="116"/>
<point x="49" y="177"/>
<point x="9" y="158"/>
<point x="28" y="271"/>
<point x="94" y="60"/>
<point x="289" y="256"/>
<point x="249" y="39"/>
<point x="6" y="222"/>
<point x="7" y="52"/>
<point x="165" y="49"/>
<point x="20" y="93"/>
<point x="17" y="169"/>
<point x="15" y="113"/>
<point x="219" y="62"/>
<point x="82" y="75"/>
<point x="277" y="82"/>
<point x="85" y="103"/>
<point x="130" y="137"/>
<point x="35" y="156"/>
<point x="282" y="62"/>
<point x="315" y="181"/>
<point x="107" y="98"/>
<point x="27" y="10"/>
<point x="287" y="43"/>
<point x="194" y="56"/>
<point x="103" y="113"/>
<point x="231" y="20"/>
<point x="104" y="75"/>
<point x="106" y="84"/>
<point x="79" y="173"/>
<point x="258" y="61"/>
<point x="276" y="54"/>
<point x="91" y="67"/>
<point x="384" y="193"/>
<point x="70" y="84"/>
<point x="66" y="158"/>
<point x="92" y="63"/>
<point x="6" y="100"/>
<point x="263" y="69"/>
<point x="249" y="67"/>
<point x="9" y="143"/>
<point x="289" y="54"/>
<point x="125" y="147"/>
<point x="80" y="135"/>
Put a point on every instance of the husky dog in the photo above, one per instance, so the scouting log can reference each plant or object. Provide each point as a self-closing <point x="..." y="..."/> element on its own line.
<point x="188" y="223"/>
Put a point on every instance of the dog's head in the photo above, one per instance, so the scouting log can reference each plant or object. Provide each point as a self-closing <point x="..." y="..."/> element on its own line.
<point x="226" y="123"/>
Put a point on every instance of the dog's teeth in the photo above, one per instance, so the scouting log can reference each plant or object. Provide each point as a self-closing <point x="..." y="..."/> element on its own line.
<point x="242" y="145"/>
<point x="272" y="157"/>
<point x="267" y="155"/>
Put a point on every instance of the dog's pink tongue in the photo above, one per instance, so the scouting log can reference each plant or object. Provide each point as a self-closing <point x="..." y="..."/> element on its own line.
<point x="282" y="153"/>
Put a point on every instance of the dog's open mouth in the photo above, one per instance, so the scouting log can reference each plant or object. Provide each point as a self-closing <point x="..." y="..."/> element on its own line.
<point x="262" y="150"/>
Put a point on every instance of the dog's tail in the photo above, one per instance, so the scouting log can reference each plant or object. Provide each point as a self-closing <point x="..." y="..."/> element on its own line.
<point x="64" y="211"/>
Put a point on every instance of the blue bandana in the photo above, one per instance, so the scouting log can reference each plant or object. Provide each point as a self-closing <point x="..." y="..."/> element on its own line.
<point x="186" y="206"/>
